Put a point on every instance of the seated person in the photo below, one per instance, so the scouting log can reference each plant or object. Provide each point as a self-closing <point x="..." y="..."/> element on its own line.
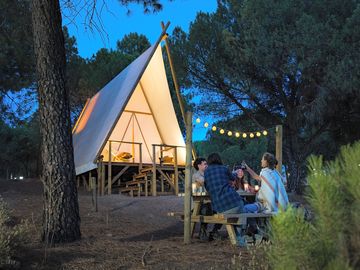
<point x="224" y="198"/>
<point x="272" y="194"/>
<point x="241" y="180"/>
<point x="200" y="166"/>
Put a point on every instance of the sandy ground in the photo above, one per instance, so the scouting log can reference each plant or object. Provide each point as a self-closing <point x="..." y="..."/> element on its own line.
<point x="118" y="235"/>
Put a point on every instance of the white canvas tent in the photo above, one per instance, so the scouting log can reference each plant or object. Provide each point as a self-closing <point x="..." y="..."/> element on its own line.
<point x="135" y="107"/>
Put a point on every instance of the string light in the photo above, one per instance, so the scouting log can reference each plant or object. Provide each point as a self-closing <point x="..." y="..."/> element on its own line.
<point x="231" y="133"/>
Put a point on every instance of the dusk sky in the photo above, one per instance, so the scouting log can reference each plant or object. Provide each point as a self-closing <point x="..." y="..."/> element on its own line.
<point x="117" y="23"/>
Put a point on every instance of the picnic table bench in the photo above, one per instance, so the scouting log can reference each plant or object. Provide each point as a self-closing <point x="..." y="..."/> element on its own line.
<point x="229" y="220"/>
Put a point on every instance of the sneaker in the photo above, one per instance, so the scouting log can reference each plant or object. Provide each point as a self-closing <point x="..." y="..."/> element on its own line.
<point x="241" y="241"/>
<point x="258" y="238"/>
<point x="203" y="235"/>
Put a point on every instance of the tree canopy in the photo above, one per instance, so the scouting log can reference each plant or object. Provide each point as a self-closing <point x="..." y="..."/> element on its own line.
<point x="278" y="62"/>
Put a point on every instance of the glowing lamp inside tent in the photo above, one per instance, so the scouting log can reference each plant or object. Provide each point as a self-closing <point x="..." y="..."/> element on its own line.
<point x="244" y="135"/>
<point x="222" y="131"/>
<point x="229" y="133"/>
<point x="258" y="134"/>
<point x="213" y="128"/>
<point x="206" y="124"/>
<point x="198" y="120"/>
<point x="252" y="135"/>
<point x="265" y="133"/>
<point x="237" y="134"/>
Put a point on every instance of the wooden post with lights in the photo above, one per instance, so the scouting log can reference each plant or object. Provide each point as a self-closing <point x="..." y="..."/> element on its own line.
<point x="187" y="197"/>
<point x="278" y="140"/>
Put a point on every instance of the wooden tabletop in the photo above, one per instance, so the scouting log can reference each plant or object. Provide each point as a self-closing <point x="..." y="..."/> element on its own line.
<point x="205" y="195"/>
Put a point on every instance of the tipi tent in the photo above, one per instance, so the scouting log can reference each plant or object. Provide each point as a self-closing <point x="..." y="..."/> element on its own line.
<point x="132" y="109"/>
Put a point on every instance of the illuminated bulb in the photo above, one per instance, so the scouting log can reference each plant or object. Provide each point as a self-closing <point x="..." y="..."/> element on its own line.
<point x="213" y="128"/>
<point x="229" y="133"/>
<point x="264" y="132"/>
<point x="206" y="124"/>
<point x="258" y="134"/>
<point x="198" y="120"/>
<point x="251" y="135"/>
<point x="237" y="134"/>
<point x="244" y="135"/>
<point x="222" y="131"/>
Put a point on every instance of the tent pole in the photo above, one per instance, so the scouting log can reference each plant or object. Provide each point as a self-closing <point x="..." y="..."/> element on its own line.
<point x="173" y="74"/>
<point x="176" y="85"/>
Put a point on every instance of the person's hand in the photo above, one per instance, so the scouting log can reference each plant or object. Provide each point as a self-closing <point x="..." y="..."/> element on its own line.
<point x="246" y="186"/>
<point x="243" y="163"/>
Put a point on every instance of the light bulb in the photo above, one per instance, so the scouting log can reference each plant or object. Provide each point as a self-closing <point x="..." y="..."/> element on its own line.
<point x="244" y="135"/>
<point x="206" y="124"/>
<point x="265" y="133"/>
<point x="229" y="133"/>
<point x="251" y="135"/>
<point x="258" y="134"/>
<point x="237" y="134"/>
<point x="198" y="120"/>
<point x="213" y="128"/>
<point x="222" y="131"/>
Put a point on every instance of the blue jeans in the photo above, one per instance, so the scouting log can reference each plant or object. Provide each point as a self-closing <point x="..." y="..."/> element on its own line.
<point x="236" y="210"/>
<point x="251" y="208"/>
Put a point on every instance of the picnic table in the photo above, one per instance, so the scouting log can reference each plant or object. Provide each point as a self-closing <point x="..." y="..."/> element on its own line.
<point x="229" y="220"/>
<point x="203" y="197"/>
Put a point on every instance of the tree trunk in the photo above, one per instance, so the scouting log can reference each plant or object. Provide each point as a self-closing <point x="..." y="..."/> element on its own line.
<point x="61" y="220"/>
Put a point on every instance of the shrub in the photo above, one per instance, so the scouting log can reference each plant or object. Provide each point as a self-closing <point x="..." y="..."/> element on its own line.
<point x="11" y="236"/>
<point x="332" y="240"/>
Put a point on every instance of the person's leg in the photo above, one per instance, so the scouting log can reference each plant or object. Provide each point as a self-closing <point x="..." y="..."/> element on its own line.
<point x="239" y="232"/>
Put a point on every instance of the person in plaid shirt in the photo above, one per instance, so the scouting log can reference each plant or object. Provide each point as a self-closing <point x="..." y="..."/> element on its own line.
<point x="218" y="180"/>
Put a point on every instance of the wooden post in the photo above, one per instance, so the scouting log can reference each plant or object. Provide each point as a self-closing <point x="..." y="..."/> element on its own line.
<point x="102" y="179"/>
<point x="94" y="193"/>
<point x="187" y="197"/>
<point x="176" y="173"/>
<point x="153" y="185"/>
<point x="278" y="154"/>
<point x="89" y="186"/>
<point x="140" y="157"/>
<point x="109" y="170"/>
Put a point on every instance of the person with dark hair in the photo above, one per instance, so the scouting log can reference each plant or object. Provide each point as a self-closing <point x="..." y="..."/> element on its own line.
<point x="224" y="198"/>
<point x="272" y="193"/>
<point x="200" y="166"/>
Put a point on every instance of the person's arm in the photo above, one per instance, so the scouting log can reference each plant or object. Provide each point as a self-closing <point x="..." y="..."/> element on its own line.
<point x="252" y="173"/>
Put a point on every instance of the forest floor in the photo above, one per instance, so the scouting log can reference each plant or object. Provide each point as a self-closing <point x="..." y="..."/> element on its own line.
<point x="125" y="233"/>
